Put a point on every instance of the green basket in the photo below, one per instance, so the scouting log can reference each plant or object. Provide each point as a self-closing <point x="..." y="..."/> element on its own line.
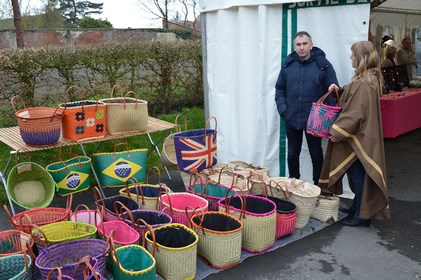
<point x="14" y="267"/>
<point x="30" y="185"/>
<point x="72" y="175"/>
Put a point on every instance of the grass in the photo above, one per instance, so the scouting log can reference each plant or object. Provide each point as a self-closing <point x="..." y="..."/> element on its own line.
<point x="195" y="119"/>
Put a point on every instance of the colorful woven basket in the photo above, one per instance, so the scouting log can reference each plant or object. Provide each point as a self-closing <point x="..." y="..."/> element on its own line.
<point x="125" y="114"/>
<point x="258" y="215"/>
<point x="48" y="235"/>
<point x="71" y="252"/>
<point x="322" y="116"/>
<point x="70" y="266"/>
<point x="16" y="267"/>
<point x="38" y="126"/>
<point x="28" y="176"/>
<point x="84" y="119"/>
<point x="72" y="175"/>
<point x="177" y="205"/>
<point x="174" y="248"/>
<point x="196" y="149"/>
<point x="56" y="274"/>
<point x="12" y="243"/>
<point x="168" y="156"/>
<point x="39" y="216"/>
<point x="86" y="215"/>
<point x="219" y="238"/>
<point x="116" y="168"/>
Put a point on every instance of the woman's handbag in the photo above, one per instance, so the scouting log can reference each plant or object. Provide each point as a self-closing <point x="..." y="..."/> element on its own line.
<point x="72" y="175"/>
<point x="322" y="116"/>
<point x="196" y="149"/>
<point x="114" y="169"/>
<point x="84" y="119"/>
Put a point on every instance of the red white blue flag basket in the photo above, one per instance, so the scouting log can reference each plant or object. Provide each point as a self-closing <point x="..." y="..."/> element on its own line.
<point x="196" y="149"/>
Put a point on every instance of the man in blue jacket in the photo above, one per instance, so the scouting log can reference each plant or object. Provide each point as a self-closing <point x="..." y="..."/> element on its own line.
<point x="305" y="76"/>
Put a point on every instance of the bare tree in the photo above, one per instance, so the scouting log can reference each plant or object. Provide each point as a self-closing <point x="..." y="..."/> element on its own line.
<point x="17" y="20"/>
<point x="159" y="9"/>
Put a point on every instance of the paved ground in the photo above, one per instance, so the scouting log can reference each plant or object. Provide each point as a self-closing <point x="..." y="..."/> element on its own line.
<point x="388" y="249"/>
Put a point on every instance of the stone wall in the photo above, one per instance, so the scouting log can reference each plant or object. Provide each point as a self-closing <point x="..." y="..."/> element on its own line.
<point x="74" y="37"/>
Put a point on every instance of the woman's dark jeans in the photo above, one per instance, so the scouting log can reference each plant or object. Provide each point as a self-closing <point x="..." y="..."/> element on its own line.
<point x="356" y="173"/>
<point x="295" y="141"/>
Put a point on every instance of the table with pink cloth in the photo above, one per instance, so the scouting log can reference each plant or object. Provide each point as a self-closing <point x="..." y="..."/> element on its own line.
<point x="401" y="112"/>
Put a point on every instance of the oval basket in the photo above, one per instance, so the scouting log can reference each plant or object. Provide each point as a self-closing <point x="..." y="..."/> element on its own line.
<point x="327" y="209"/>
<point x="26" y="176"/>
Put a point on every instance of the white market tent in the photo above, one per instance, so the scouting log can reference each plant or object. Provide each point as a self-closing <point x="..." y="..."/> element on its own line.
<point x="244" y="44"/>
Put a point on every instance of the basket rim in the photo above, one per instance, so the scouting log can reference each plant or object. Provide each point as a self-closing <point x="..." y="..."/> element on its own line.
<point x="170" y="248"/>
<point x="59" y="113"/>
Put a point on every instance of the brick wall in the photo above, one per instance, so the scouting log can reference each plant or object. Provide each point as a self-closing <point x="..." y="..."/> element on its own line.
<point x="73" y="37"/>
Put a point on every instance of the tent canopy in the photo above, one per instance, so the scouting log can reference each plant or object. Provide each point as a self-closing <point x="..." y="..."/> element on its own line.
<point x="397" y="6"/>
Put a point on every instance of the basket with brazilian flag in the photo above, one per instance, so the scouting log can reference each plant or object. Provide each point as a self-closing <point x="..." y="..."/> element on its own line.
<point x="114" y="169"/>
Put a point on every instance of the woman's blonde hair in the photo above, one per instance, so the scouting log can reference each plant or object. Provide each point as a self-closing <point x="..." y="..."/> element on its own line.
<point x="390" y="50"/>
<point x="367" y="62"/>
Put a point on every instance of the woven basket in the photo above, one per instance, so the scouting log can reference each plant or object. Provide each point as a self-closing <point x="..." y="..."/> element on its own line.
<point x="209" y="191"/>
<point x="145" y="194"/>
<point x="168" y="156"/>
<point x="258" y="215"/>
<point x="84" y="119"/>
<point x="125" y="114"/>
<point x="71" y="252"/>
<point x="227" y="178"/>
<point x="132" y="262"/>
<point x="56" y="274"/>
<point x="327" y="208"/>
<point x="38" y="126"/>
<point x="39" y="216"/>
<point x="176" y="204"/>
<point x="11" y="243"/>
<point x="107" y="204"/>
<point x="219" y="238"/>
<point x="16" y="267"/>
<point x="174" y="248"/>
<point x="28" y="176"/>
<point x="302" y="194"/>
<point x="48" y="235"/>
<point x="88" y="216"/>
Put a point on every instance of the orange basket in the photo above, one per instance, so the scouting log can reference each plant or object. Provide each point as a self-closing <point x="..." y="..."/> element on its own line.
<point x="84" y="119"/>
<point x="38" y="126"/>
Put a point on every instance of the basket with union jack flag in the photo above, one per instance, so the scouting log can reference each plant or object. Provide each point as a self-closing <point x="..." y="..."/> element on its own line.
<point x="196" y="149"/>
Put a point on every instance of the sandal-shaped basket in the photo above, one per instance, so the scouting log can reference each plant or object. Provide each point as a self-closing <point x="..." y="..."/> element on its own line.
<point x="71" y="252"/>
<point x="258" y="215"/>
<point x="107" y="204"/>
<point x="144" y="193"/>
<point x="39" y="216"/>
<point x="219" y="238"/>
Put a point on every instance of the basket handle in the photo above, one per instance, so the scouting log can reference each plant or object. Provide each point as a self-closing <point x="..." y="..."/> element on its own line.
<point x="119" y="213"/>
<point x="114" y="88"/>
<point x="50" y="274"/>
<point x="229" y="197"/>
<point x="169" y="200"/>
<point x="6" y="209"/>
<point x="87" y="210"/>
<point x="85" y="259"/>
<point x="37" y="238"/>
<point x="251" y="183"/>
<point x="207" y="125"/>
<point x="119" y="144"/>
<point x="157" y="172"/>
<point x="125" y="96"/>
<point x="91" y="269"/>
<point x="151" y="230"/>
<point x="197" y="176"/>
<point x="113" y="250"/>
<point x="73" y="88"/>
<point x="96" y="97"/>
<point x="69" y="202"/>
<point x="98" y="198"/>
<point x="333" y="89"/>
<point x="194" y="213"/>
<point x="29" y="222"/>
<point x="177" y="126"/>
<point x="278" y="186"/>
<point x="12" y="101"/>
<point x="137" y="187"/>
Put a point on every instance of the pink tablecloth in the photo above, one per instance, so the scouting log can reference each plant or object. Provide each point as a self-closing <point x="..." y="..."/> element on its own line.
<point x="401" y="112"/>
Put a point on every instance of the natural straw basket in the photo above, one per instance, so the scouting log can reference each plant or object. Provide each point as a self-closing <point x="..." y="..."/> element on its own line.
<point x="38" y="126"/>
<point x="219" y="238"/>
<point x="168" y="156"/>
<point x="125" y="114"/>
<point x="303" y="195"/>
<point x="327" y="208"/>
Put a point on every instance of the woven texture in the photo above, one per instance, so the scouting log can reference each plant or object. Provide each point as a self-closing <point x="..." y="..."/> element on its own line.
<point x="258" y="217"/>
<point x="145" y="194"/>
<point x="178" y="206"/>
<point x="72" y="175"/>
<point x="11" y="242"/>
<point x="25" y="173"/>
<point x="211" y="192"/>
<point x="85" y="119"/>
<point x="86" y="215"/>
<point x="219" y="238"/>
<point x="302" y="194"/>
<point x="322" y="116"/>
<point x="71" y="252"/>
<point x="38" y="216"/>
<point x="123" y="233"/>
<point x="327" y="209"/>
<point x="38" y="126"/>
<point x="168" y="156"/>
<point x="115" y="169"/>
<point x="48" y="235"/>
<point x="174" y="261"/>
<point x="13" y="267"/>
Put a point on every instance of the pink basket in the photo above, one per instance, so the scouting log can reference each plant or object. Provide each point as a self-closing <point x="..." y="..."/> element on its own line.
<point x="87" y="215"/>
<point x="180" y="206"/>
<point x="323" y="116"/>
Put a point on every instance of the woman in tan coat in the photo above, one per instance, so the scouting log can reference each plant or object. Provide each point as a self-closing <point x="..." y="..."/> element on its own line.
<point x="356" y="147"/>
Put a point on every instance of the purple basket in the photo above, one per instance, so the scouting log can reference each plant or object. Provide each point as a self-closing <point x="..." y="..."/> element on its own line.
<point x="65" y="255"/>
<point x="196" y="149"/>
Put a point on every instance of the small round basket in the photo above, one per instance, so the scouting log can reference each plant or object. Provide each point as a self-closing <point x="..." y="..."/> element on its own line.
<point x="29" y="185"/>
